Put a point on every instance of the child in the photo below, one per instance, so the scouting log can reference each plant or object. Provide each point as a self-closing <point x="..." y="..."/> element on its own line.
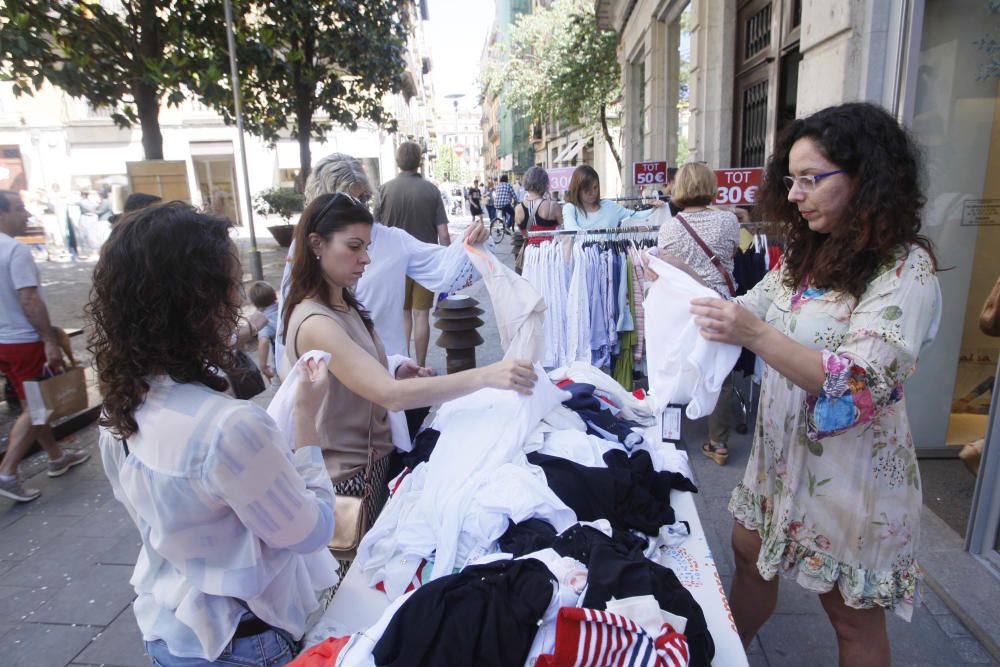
<point x="264" y="298"/>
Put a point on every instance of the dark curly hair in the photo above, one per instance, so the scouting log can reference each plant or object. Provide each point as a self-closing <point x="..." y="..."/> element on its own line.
<point x="324" y="216"/>
<point x="883" y="215"/>
<point x="161" y="304"/>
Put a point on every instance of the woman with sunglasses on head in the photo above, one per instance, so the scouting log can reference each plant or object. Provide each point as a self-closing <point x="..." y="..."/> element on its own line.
<point x="234" y="526"/>
<point x="831" y="494"/>
<point x="322" y="312"/>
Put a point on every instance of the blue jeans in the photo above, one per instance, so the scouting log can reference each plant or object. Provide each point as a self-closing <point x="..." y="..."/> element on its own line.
<point x="268" y="649"/>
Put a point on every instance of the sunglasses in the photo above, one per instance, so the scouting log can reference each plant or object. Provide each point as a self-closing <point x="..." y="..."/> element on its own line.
<point x="337" y="197"/>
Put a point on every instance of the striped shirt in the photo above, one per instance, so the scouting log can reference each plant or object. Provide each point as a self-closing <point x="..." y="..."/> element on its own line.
<point x="227" y="516"/>
<point x="592" y="637"/>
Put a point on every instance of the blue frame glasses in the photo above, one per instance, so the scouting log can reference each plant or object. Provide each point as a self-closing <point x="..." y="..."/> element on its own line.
<point x="807" y="183"/>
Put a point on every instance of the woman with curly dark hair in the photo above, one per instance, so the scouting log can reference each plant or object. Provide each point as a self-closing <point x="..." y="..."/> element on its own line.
<point x="234" y="526"/>
<point x="831" y="495"/>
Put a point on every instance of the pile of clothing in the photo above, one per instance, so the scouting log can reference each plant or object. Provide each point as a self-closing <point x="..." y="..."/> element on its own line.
<point x="523" y="532"/>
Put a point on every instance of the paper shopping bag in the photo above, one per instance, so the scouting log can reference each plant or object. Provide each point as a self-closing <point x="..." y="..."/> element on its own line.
<point x="57" y="396"/>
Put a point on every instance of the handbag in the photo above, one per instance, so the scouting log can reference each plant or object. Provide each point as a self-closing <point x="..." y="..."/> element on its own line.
<point x="712" y="257"/>
<point x="350" y="516"/>
<point x="53" y="397"/>
<point x="989" y="319"/>
<point x="245" y="378"/>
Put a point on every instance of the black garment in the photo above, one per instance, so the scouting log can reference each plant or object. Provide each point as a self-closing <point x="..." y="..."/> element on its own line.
<point x="527" y="537"/>
<point x="576" y="541"/>
<point x="598" y="417"/>
<point x="629" y="493"/>
<point x="423" y="447"/>
<point x="749" y="268"/>
<point x="485" y="615"/>
<point x="612" y="575"/>
<point x="579" y="542"/>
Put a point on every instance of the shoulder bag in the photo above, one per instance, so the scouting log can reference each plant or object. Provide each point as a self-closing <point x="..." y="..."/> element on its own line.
<point x="712" y="257"/>
<point x="350" y="516"/>
<point x="989" y="319"/>
<point x="245" y="378"/>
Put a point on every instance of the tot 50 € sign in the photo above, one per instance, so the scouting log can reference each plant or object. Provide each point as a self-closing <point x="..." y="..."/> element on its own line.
<point x="738" y="186"/>
<point x="649" y="173"/>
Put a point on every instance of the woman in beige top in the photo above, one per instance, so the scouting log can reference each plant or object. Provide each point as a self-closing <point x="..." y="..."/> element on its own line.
<point x="322" y="313"/>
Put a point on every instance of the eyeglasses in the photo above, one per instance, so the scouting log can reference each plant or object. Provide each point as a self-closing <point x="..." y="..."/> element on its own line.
<point x="807" y="183"/>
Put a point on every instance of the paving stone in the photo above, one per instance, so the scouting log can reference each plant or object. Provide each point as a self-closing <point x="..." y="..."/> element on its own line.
<point x="920" y="642"/>
<point x="6" y="565"/>
<point x="96" y="598"/>
<point x="972" y="652"/>
<point x="120" y="643"/>
<point x="36" y="644"/>
<point x="791" y="640"/>
<point x="951" y="626"/>
<point x="19" y="604"/>
<point x="124" y="552"/>
<point x="109" y="520"/>
<point x="65" y="556"/>
<point x="933" y="601"/>
<point x="31" y="534"/>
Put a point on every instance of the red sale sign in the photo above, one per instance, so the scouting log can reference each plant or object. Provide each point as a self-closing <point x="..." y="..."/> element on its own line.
<point x="559" y="178"/>
<point x="738" y="186"/>
<point x="649" y="173"/>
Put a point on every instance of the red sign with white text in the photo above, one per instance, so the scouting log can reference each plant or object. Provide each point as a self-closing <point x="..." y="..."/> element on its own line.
<point x="649" y="173"/>
<point x="738" y="187"/>
<point x="559" y="178"/>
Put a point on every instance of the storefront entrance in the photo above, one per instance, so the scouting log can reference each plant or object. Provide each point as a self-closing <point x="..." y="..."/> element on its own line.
<point x="955" y="117"/>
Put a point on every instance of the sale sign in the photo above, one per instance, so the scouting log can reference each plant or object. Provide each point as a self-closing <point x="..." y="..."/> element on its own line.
<point x="559" y="178"/>
<point x="738" y="187"/>
<point x="649" y="173"/>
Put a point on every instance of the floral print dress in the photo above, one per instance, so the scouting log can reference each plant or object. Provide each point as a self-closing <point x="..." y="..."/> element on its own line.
<point x="832" y="485"/>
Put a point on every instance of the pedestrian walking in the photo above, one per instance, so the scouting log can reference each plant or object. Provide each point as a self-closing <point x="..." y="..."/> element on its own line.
<point x="840" y="330"/>
<point x="491" y="210"/>
<point x="476" y="202"/>
<point x="28" y="344"/>
<point x="200" y="473"/>
<point x="415" y="206"/>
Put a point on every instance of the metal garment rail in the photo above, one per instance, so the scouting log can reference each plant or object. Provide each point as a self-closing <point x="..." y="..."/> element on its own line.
<point x="637" y="229"/>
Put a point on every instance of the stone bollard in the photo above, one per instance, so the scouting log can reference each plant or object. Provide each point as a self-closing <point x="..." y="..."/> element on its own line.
<point x="458" y="318"/>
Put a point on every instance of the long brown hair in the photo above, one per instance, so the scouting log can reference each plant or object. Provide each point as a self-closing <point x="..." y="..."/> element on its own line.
<point x="883" y="215"/>
<point x="161" y="304"/>
<point x="324" y="216"/>
<point x="584" y="178"/>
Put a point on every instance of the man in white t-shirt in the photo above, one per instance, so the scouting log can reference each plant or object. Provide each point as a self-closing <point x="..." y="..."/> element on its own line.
<point x="27" y="344"/>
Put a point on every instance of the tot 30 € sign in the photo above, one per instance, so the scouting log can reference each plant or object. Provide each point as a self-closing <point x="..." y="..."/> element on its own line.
<point x="737" y="187"/>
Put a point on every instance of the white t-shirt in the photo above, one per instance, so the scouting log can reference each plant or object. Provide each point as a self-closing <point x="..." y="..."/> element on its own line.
<point x="17" y="271"/>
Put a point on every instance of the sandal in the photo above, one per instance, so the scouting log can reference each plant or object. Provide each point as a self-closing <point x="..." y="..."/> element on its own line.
<point x="712" y="452"/>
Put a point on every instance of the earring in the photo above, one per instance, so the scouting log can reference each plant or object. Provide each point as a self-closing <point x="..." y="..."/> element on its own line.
<point x="317" y="256"/>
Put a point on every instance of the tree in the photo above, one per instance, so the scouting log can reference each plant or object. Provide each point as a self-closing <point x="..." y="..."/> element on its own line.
<point x="449" y="167"/>
<point x="307" y="65"/>
<point x="560" y="65"/>
<point x="128" y="61"/>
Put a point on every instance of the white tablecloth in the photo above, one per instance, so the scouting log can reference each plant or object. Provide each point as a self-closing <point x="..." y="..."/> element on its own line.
<point x="356" y="607"/>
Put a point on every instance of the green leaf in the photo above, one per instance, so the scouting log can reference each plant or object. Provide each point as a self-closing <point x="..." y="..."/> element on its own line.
<point x="815" y="448"/>
<point x="892" y="313"/>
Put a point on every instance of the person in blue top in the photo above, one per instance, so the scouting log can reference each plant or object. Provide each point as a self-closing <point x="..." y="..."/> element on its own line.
<point x="584" y="208"/>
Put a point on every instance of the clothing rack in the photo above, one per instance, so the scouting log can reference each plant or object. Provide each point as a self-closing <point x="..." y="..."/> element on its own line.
<point x="635" y="229"/>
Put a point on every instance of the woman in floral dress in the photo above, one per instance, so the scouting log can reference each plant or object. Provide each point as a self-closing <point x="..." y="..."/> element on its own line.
<point x="831" y="495"/>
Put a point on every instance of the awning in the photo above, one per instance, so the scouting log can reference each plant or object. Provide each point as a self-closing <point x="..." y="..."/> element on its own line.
<point x="572" y="150"/>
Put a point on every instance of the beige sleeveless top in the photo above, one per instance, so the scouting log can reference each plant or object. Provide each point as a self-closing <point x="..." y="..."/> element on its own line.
<point x="344" y="419"/>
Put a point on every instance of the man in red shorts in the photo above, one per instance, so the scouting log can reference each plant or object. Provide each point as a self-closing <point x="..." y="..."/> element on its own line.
<point x="27" y="343"/>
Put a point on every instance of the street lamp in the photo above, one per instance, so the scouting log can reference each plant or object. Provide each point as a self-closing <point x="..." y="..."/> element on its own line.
<point x="257" y="267"/>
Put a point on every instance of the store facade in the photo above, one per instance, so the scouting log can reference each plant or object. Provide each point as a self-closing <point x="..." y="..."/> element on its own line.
<point x="756" y="64"/>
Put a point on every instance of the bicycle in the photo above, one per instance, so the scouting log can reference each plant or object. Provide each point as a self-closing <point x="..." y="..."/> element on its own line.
<point x="500" y="227"/>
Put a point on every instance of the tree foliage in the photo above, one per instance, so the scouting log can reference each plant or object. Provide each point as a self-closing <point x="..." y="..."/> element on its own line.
<point x="449" y="167"/>
<point x="128" y="61"/>
<point x="559" y="64"/>
<point x="307" y="65"/>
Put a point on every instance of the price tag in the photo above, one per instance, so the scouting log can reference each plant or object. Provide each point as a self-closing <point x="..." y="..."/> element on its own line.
<point x="649" y="173"/>
<point x="738" y="187"/>
<point x="671" y="430"/>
